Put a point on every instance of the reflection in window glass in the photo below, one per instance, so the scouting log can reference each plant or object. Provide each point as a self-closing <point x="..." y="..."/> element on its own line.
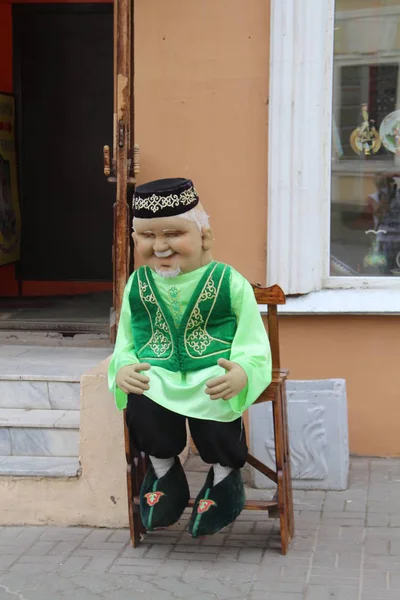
<point x="365" y="212"/>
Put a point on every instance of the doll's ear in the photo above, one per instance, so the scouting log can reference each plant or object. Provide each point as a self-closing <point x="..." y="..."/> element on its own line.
<point x="134" y="237"/>
<point x="207" y="238"/>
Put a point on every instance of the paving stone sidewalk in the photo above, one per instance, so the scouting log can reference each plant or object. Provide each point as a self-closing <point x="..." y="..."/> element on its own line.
<point x="347" y="547"/>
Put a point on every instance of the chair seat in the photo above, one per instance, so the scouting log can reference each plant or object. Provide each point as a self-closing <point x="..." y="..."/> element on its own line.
<point x="279" y="376"/>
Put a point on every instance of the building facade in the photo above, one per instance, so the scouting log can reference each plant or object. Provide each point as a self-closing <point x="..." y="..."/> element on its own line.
<point x="284" y="113"/>
<point x="258" y="102"/>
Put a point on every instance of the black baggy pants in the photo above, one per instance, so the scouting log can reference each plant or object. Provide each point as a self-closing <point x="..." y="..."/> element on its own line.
<point x="162" y="433"/>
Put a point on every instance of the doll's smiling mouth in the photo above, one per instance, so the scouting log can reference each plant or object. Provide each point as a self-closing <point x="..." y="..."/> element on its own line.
<point x="167" y="262"/>
<point x="166" y="254"/>
<point x="165" y="258"/>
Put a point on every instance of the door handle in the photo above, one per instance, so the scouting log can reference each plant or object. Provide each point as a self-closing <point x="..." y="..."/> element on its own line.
<point x="133" y="166"/>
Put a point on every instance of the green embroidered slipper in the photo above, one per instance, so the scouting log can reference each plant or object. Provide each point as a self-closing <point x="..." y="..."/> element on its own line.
<point x="162" y="501"/>
<point x="217" y="506"/>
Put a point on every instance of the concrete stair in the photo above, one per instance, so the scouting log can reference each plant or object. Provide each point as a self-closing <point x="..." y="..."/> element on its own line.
<point x="39" y="408"/>
<point x="39" y="466"/>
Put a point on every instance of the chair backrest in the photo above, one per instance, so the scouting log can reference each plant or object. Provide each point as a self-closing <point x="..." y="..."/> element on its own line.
<point x="271" y="297"/>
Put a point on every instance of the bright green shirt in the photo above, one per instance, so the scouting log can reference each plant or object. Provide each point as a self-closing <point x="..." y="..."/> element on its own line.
<point x="184" y="393"/>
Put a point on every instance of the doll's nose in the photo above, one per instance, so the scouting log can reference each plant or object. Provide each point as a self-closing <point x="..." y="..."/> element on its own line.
<point x="160" y="245"/>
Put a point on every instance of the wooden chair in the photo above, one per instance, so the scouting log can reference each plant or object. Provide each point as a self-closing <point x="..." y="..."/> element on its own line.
<point x="282" y="504"/>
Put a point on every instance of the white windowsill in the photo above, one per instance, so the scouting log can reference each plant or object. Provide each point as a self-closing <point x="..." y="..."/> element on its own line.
<point x="342" y="302"/>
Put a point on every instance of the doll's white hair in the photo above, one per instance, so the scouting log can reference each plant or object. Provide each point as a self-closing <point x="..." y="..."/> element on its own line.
<point x="195" y="215"/>
<point x="198" y="216"/>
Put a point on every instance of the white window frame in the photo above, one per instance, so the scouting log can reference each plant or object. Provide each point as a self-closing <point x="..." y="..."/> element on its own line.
<point x="299" y="167"/>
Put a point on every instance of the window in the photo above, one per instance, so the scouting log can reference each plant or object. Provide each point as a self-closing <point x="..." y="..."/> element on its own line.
<point x="365" y="195"/>
<point x="334" y="151"/>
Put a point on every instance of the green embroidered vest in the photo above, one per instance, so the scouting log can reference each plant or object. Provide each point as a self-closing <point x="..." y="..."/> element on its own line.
<point x="206" y="330"/>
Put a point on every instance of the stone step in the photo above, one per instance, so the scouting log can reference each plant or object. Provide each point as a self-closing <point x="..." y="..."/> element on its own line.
<point x="39" y="408"/>
<point x="42" y="377"/>
<point x="39" y="466"/>
<point x="45" y="433"/>
<point x="44" y="363"/>
<point x="47" y="419"/>
<point x="57" y="395"/>
<point x="53" y="339"/>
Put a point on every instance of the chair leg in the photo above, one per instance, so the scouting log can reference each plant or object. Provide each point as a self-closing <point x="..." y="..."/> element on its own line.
<point x="135" y="472"/>
<point x="143" y="462"/>
<point x="280" y="466"/>
<point x="134" y="515"/>
<point x="135" y="476"/>
<point x="283" y="518"/>
<point x="287" y="469"/>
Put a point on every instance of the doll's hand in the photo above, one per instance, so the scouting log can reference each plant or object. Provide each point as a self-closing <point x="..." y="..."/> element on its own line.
<point x="229" y="385"/>
<point x="130" y="381"/>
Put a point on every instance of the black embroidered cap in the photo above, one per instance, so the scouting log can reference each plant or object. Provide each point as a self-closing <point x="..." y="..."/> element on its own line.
<point x="164" y="198"/>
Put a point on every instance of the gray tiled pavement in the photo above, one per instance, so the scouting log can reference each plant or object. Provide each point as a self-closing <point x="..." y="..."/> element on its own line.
<point x="347" y="547"/>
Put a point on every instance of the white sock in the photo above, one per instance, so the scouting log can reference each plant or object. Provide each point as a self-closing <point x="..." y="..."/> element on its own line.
<point x="220" y="473"/>
<point x="161" y="465"/>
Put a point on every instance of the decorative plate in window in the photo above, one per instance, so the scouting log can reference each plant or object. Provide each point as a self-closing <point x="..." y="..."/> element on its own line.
<point x="389" y="131"/>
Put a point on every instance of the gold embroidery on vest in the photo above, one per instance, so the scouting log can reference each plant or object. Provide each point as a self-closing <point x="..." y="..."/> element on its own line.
<point x="143" y="289"/>
<point x="195" y="318"/>
<point x="161" y="338"/>
<point x="209" y="292"/>
<point x="199" y="339"/>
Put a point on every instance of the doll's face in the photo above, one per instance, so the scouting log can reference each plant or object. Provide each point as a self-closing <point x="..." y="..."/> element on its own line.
<point x="171" y="245"/>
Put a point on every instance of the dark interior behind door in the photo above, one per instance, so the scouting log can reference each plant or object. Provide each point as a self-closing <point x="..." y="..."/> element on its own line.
<point x="63" y="76"/>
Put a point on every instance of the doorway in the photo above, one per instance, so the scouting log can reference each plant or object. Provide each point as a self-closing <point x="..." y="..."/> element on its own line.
<point x="63" y="83"/>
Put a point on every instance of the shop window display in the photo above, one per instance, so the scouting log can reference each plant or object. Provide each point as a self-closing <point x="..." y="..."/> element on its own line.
<point x="365" y="210"/>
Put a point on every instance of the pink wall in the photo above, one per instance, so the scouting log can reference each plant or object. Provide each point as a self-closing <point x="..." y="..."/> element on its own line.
<point x="201" y="89"/>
